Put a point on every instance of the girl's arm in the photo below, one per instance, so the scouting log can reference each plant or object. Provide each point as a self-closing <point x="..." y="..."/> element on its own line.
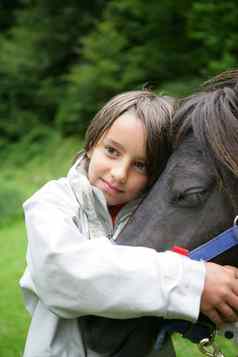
<point x="74" y="276"/>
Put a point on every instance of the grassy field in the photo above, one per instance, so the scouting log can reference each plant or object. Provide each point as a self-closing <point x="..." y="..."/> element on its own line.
<point x="14" y="319"/>
<point x="53" y="161"/>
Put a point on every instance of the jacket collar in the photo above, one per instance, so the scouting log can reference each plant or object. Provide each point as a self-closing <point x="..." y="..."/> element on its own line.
<point x="93" y="202"/>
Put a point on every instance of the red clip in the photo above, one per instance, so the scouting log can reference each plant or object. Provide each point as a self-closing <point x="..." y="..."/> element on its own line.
<point x="180" y="250"/>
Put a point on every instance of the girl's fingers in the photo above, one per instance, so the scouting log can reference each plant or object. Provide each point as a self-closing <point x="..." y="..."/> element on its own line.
<point x="215" y="316"/>
<point x="232" y="301"/>
<point x="228" y="314"/>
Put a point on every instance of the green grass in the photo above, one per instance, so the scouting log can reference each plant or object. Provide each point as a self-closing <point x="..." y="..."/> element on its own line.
<point x="52" y="160"/>
<point x="27" y="174"/>
<point x="14" y="319"/>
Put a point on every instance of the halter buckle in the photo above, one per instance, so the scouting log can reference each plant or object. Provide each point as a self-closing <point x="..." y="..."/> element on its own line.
<point x="208" y="347"/>
<point x="235" y="226"/>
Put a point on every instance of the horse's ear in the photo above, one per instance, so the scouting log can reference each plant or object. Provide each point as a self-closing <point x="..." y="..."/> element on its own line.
<point x="228" y="78"/>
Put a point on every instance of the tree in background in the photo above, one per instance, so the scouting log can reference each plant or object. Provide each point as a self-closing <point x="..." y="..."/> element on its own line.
<point x="60" y="61"/>
<point x="36" y="51"/>
<point x="7" y="13"/>
<point x="135" y="44"/>
<point x="213" y="27"/>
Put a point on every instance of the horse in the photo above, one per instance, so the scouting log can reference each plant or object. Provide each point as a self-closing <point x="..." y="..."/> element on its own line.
<point x="195" y="198"/>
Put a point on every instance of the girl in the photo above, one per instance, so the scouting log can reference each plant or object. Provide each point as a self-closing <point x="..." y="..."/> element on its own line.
<point x="73" y="267"/>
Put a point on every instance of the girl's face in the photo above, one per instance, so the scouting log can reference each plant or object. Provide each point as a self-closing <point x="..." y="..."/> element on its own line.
<point x="117" y="163"/>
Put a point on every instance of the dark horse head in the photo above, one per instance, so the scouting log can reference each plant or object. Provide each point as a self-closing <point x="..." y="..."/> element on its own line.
<point x="195" y="198"/>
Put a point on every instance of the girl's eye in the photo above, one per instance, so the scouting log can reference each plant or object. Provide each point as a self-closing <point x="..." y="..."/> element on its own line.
<point x="111" y="151"/>
<point x="140" y="166"/>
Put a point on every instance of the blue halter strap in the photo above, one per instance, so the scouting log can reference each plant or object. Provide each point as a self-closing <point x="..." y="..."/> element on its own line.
<point x="218" y="245"/>
<point x="207" y="251"/>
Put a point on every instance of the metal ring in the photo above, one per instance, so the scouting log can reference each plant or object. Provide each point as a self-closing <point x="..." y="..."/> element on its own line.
<point x="235" y="227"/>
<point x="235" y="222"/>
<point x="204" y="346"/>
<point x="209" y="348"/>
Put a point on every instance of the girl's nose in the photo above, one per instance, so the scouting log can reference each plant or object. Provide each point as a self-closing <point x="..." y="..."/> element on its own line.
<point x="120" y="172"/>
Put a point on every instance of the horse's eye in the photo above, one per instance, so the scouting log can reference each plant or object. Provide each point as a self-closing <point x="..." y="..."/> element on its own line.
<point x="191" y="198"/>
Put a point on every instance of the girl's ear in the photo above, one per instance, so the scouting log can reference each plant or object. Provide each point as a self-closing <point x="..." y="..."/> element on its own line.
<point x="88" y="154"/>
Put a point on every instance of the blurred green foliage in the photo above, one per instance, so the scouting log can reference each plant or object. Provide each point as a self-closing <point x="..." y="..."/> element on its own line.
<point x="60" y="61"/>
<point x="10" y="201"/>
<point x="40" y="156"/>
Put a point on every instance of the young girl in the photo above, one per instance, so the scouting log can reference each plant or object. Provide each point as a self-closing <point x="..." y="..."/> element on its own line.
<point x="74" y="269"/>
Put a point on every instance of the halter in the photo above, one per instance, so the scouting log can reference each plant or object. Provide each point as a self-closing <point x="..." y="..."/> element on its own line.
<point x="201" y="332"/>
<point x="218" y="245"/>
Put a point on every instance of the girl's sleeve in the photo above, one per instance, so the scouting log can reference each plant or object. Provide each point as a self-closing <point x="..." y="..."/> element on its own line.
<point x="75" y="276"/>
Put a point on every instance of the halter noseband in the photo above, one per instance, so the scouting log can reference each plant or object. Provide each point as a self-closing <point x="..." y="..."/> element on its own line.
<point x="214" y="247"/>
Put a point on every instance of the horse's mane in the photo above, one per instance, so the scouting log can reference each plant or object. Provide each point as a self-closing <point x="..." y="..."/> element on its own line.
<point x="212" y="116"/>
<point x="225" y="79"/>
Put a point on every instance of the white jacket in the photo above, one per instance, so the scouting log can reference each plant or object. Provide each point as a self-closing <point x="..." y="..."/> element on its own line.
<point x="74" y="269"/>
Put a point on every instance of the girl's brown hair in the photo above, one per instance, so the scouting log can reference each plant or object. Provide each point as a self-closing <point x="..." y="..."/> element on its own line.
<point x="154" y="111"/>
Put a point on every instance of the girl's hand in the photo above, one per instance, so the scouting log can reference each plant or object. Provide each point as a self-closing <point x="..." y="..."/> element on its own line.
<point x="219" y="299"/>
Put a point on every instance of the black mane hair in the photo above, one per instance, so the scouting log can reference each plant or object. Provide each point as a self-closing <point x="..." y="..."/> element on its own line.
<point x="212" y="117"/>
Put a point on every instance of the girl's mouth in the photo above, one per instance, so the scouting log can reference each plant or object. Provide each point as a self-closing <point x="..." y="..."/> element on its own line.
<point x="110" y="188"/>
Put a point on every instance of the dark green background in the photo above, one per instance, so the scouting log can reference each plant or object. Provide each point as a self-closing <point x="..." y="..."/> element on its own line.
<point x="61" y="60"/>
